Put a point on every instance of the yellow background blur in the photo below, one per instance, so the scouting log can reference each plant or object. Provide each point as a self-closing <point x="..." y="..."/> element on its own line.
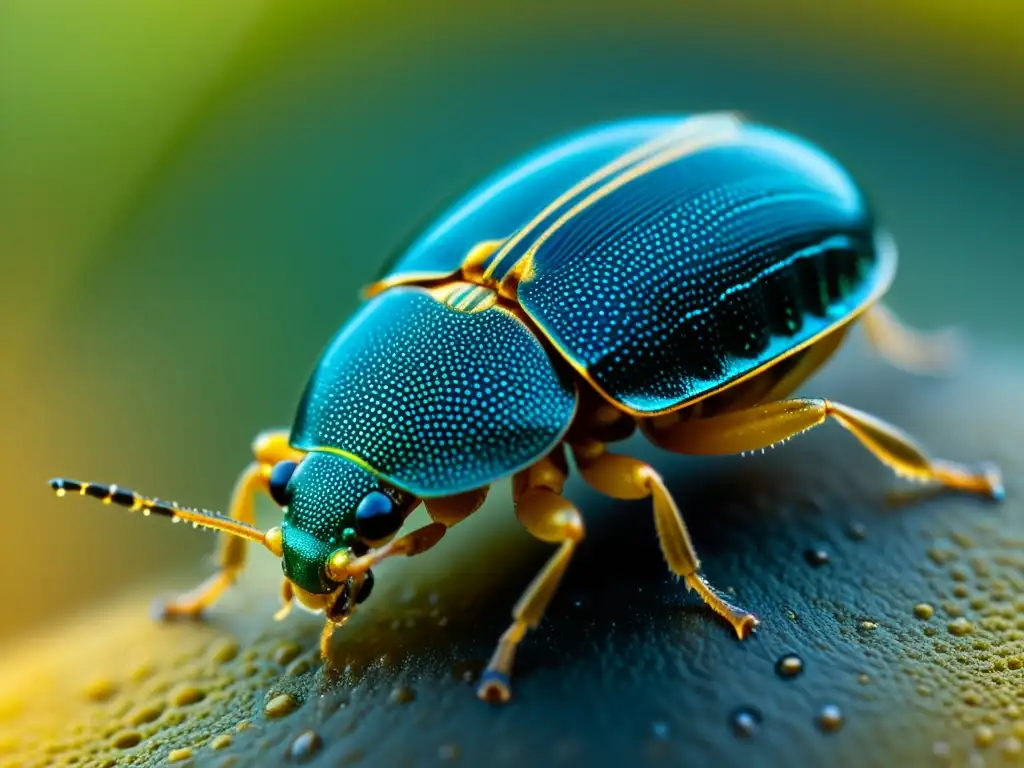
<point x="191" y="195"/>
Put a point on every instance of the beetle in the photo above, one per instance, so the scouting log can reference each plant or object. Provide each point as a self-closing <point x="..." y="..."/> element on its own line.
<point x="679" y="275"/>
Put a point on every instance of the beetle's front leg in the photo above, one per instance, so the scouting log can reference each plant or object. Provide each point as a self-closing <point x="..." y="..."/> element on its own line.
<point x="444" y="512"/>
<point x="622" y="477"/>
<point x="909" y="349"/>
<point x="269" y="448"/>
<point x="543" y="511"/>
<point x="770" y="423"/>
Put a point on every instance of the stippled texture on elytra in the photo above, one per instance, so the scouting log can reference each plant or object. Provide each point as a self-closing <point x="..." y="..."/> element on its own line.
<point x="435" y="400"/>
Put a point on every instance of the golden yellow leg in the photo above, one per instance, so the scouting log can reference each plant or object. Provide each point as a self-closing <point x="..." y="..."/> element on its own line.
<point x="325" y="638"/>
<point x="908" y="349"/>
<point x="765" y="425"/>
<point x="268" y="448"/>
<point x="545" y="514"/>
<point x="444" y="513"/>
<point x="622" y="477"/>
<point x="287" y="600"/>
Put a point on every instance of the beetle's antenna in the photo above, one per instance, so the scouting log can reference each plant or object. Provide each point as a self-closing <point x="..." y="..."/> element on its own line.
<point x="122" y="497"/>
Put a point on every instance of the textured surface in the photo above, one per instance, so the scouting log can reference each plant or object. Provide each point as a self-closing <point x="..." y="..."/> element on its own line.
<point x="721" y="255"/>
<point x="435" y="400"/>
<point x="502" y="203"/>
<point x="906" y="612"/>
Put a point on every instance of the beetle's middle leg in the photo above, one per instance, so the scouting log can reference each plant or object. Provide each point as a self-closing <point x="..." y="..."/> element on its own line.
<point x="540" y="507"/>
<point x="622" y="477"/>
<point x="765" y="425"/>
<point x="268" y="449"/>
<point x="907" y="348"/>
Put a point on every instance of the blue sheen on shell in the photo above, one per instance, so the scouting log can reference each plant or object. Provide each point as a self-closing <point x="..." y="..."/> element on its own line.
<point x="435" y="400"/>
<point x="499" y="205"/>
<point x="703" y="269"/>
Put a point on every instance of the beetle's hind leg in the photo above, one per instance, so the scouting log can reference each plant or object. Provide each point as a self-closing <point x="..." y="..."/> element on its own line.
<point x="543" y="511"/>
<point x="622" y="477"/>
<point x="765" y="425"/>
<point x="909" y="349"/>
<point x="268" y="448"/>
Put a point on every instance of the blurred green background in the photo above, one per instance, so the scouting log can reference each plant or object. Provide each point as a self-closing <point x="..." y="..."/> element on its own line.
<point x="192" y="194"/>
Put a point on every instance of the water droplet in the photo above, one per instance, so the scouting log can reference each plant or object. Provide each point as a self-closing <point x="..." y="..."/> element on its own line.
<point x="401" y="694"/>
<point x="830" y="718"/>
<point x="100" y="689"/>
<point x="467" y="671"/>
<point x="868" y="626"/>
<point x="659" y="729"/>
<point x="281" y="705"/>
<point x="954" y="610"/>
<point x="960" y="627"/>
<point x="222" y="651"/>
<point x="143" y="672"/>
<point x="863" y="678"/>
<point x="184" y="695"/>
<point x="816" y="557"/>
<point x="924" y="611"/>
<point x="789" y="666"/>
<point x="305" y="746"/>
<point x="857" y="531"/>
<point x="127" y="739"/>
<point x="286" y="653"/>
<point x="745" y="722"/>
<point x="179" y="755"/>
<point x="962" y="539"/>
<point x="448" y="753"/>
<point x="223" y="741"/>
<point x="984" y="736"/>
<point x="147" y="713"/>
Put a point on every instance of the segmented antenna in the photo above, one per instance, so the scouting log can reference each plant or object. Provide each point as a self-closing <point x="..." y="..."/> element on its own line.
<point x="123" y="497"/>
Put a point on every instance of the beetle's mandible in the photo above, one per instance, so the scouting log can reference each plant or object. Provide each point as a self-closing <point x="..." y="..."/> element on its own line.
<point x="680" y="275"/>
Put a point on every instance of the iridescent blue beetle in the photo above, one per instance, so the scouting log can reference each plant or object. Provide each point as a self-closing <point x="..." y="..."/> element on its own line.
<point x="680" y="275"/>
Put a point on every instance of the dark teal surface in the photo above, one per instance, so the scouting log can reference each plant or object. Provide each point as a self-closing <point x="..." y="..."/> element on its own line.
<point x="500" y="205"/>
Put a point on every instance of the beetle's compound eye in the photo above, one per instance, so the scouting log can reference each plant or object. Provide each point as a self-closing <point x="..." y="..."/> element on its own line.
<point x="377" y="517"/>
<point x="279" y="477"/>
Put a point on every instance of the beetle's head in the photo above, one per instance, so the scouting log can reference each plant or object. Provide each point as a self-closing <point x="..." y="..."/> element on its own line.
<point x="334" y="509"/>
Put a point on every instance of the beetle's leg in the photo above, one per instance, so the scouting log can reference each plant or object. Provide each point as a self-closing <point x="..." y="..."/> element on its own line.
<point x="443" y="512"/>
<point x="268" y="448"/>
<point x="771" y="423"/>
<point x="287" y="600"/>
<point x="908" y="349"/>
<point x="813" y="358"/>
<point x="545" y="514"/>
<point x="622" y="477"/>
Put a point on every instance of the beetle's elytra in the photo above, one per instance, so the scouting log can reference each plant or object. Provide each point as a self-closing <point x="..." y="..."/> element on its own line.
<point x="680" y="275"/>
